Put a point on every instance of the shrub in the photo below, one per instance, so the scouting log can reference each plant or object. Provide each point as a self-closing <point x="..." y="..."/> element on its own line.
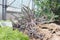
<point x="7" y="33"/>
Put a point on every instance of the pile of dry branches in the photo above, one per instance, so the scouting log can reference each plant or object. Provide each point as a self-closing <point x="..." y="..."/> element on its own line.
<point x="36" y="28"/>
<point x="45" y="32"/>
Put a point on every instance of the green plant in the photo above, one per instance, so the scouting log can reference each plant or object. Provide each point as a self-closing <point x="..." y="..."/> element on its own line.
<point x="47" y="8"/>
<point x="55" y="8"/>
<point x="7" y="33"/>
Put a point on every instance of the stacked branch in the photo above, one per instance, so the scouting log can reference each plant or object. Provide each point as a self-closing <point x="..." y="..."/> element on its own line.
<point x="34" y="27"/>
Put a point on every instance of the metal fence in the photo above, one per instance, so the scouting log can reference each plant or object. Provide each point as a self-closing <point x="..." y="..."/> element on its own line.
<point x="8" y="8"/>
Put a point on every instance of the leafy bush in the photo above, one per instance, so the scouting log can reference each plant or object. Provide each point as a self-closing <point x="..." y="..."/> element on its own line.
<point x="7" y="33"/>
<point x="47" y="8"/>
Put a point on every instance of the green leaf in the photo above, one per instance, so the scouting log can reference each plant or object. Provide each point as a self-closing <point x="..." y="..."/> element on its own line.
<point x="7" y="33"/>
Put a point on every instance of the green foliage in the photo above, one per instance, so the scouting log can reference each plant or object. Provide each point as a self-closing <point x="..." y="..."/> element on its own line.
<point x="48" y="8"/>
<point x="55" y="7"/>
<point x="7" y="33"/>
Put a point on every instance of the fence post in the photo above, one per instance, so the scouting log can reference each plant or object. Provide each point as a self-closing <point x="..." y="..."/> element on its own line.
<point x="4" y="8"/>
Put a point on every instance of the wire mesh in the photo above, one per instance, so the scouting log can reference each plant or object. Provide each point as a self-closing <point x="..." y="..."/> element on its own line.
<point x="14" y="6"/>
